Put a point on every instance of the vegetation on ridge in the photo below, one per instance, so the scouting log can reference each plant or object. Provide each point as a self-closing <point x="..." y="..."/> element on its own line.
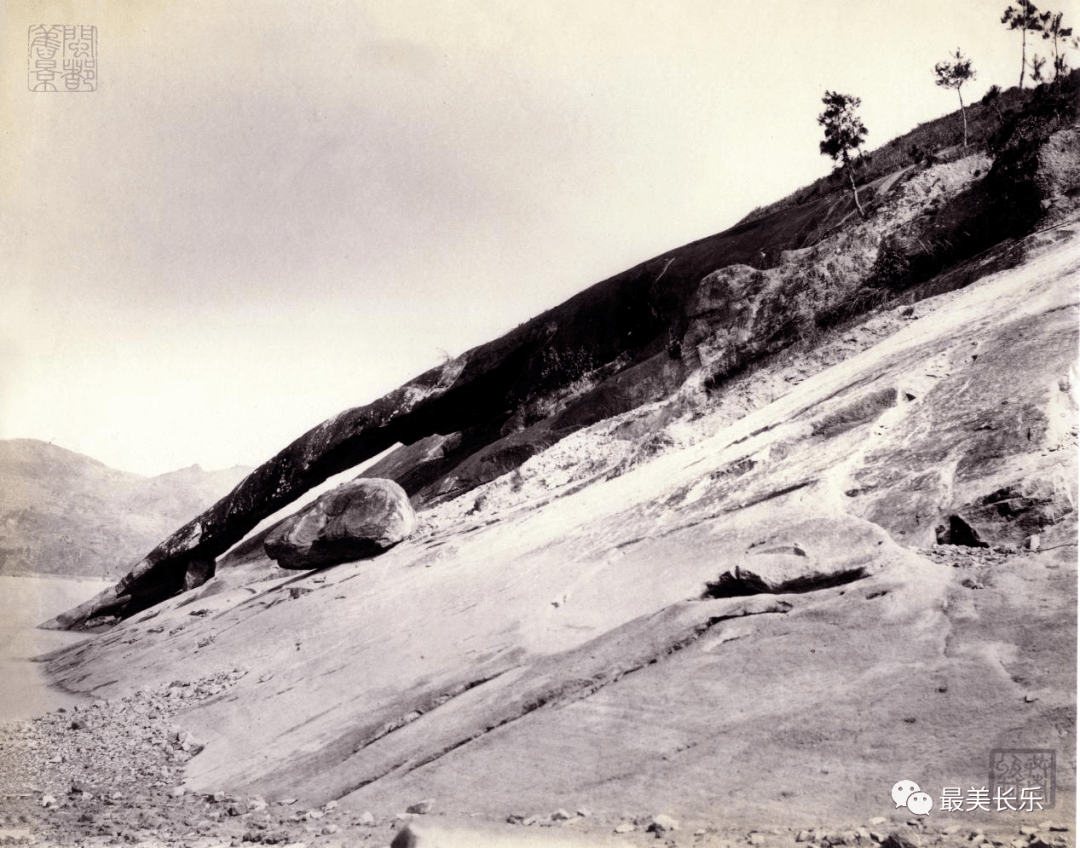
<point x="953" y="73"/>
<point x="937" y="140"/>
<point x="1025" y="17"/>
<point x="991" y="123"/>
<point x="844" y="132"/>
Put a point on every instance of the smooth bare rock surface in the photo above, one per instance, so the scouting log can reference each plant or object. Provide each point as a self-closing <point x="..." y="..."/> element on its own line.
<point x="357" y="520"/>
<point x="552" y="640"/>
<point x="705" y="545"/>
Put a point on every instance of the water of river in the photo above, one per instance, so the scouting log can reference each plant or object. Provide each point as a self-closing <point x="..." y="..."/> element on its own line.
<point x="25" y="602"/>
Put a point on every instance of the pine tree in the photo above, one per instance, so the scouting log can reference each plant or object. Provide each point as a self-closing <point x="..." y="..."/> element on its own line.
<point x="1026" y="19"/>
<point x="1054" y="31"/>
<point x="844" y="131"/>
<point x="953" y="74"/>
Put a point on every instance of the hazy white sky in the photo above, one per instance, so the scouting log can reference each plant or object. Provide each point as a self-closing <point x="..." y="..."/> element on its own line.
<point x="272" y="210"/>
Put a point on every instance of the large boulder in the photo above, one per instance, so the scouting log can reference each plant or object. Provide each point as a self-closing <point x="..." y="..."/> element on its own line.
<point x="356" y="520"/>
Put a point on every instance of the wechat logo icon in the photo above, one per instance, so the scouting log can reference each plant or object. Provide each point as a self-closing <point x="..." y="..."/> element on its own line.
<point x="906" y="793"/>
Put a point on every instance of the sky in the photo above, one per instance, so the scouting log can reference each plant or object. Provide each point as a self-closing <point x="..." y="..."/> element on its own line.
<point x="269" y="211"/>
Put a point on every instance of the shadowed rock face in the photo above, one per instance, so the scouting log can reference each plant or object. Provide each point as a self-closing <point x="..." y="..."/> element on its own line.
<point x="630" y="340"/>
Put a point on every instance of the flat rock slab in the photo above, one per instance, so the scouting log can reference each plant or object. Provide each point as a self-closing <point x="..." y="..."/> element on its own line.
<point x="806" y="557"/>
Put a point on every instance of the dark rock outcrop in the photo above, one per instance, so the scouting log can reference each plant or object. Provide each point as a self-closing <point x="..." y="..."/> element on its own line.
<point x="823" y="556"/>
<point x="356" y="520"/>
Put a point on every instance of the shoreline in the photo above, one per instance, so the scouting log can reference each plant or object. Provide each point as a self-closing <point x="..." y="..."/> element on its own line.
<point x="74" y="578"/>
<point x="25" y="602"/>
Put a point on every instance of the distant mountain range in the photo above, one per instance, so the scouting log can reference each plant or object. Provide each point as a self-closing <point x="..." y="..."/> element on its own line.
<point x="67" y="514"/>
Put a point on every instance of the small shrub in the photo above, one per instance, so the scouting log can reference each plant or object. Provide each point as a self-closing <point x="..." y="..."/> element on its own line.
<point x="891" y="270"/>
<point x="561" y="367"/>
<point x="921" y="157"/>
<point x="854" y="305"/>
<point x="992" y="97"/>
<point x="651" y="447"/>
<point x="674" y="345"/>
<point x="478" y="504"/>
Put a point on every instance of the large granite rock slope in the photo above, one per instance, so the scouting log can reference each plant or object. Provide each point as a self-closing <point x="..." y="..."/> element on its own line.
<point x="756" y="621"/>
<point x="712" y="308"/>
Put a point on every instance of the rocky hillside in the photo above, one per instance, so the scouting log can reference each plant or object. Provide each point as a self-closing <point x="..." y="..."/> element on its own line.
<point x="67" y="514"/>
<point x="738" y="539"/>
<point x="709" y="311"/>
<point x="752" y="611"/>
